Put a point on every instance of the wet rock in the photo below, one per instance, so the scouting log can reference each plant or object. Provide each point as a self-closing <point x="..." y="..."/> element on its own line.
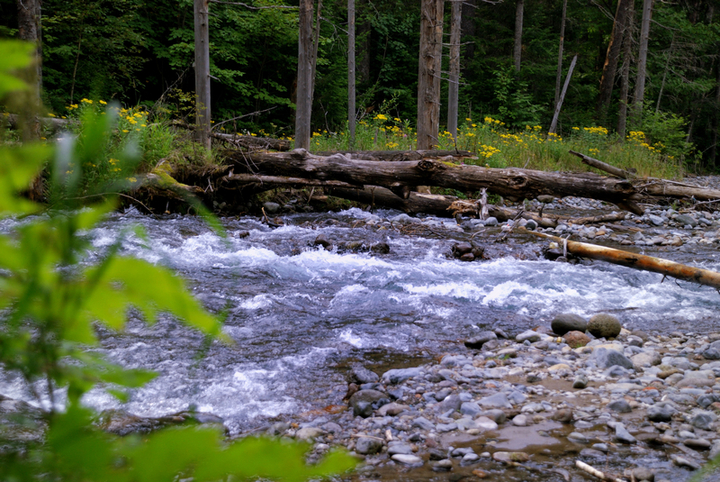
<point x="399" y="375"/>
<point x="604" y="325"/>
<point x="368" y="445"/>
<point x="323" y="241"/>
<point x="564" y="415"/>
<point x="520" y="420"/>
<point x="399" y="448"/>
<point x="576" y="339"/>
<point x="407" y="459"/>
<point x="362" y="402"/>
<point x="442" y="465"/>
<point x="578" y="438"/>
<point x="528" y="335"/>
<point x="702" y="419"/>
<point x="308" y="433"/>
<point x="498" y="400"/>
<point x="271" y="207"/>
<point x="604" y="357"/>
<point x="480" y="339"/>
<point x="620" y="406"/>
<point x="380" y="248"/>
<point x="698" y="443"/>
<point x="642" y="474"/>
<point x="460" y="249"/>
<point x="684" y="462"/>
<point x="484" y="423"/>
<point x="392" y="409"/>
<point x="362" y="375"/>
<point x="510" y="457"/>
<point x="581" y="381"/>
<point x="496" y="415"/>
<point x="621" y="433"/>
<point x="567" y="322"/>
<point x="592" y="454"/>
<point x="423" y="424"/>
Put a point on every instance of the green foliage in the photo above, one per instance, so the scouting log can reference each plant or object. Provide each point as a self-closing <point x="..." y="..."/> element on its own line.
<point x="50" y="300"/>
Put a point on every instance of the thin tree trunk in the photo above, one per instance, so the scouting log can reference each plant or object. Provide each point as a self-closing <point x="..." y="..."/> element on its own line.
<point x="202" y="73"/>
<point x="558" y="76"/>
<point x="625" y="78"/>
<point x="556" y="115"/>
<point x="351" y="73"/>
<point x="30" y="29"/>
<point x="517" y="49"/>
<point x="611" y="60"/>
<point x="716" y="121"/>
<point x="304" y="83"/>
<point x="454" y="77"/>
<point x="316" y="46"/>
<point x="639" y="97"/>
<point x="667" y="67"/>
<point x="431" y="29"/>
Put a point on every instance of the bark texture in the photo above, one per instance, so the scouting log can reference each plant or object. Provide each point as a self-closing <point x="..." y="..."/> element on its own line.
<point x="428" y="112"/>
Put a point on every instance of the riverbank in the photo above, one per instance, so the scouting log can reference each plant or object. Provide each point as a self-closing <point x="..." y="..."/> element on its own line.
<point x="642" y="405"/>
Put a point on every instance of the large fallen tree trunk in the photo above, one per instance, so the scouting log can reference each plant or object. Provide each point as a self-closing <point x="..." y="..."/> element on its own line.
<point x="402" y="176"/>
<point x="638" y="261"/>
<point x="397" y="155"/>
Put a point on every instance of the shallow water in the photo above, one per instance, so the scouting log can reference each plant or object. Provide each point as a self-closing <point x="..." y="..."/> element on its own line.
<point x="300" y="315"/>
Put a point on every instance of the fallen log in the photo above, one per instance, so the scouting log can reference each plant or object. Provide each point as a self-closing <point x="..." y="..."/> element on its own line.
<point x="397" y="155"/>
<point x="402" y="176"/>
<point x="439" y="205"/>
<point x="253" y="142"/>
<point x="655" y="187"/>
<point x="637" y="261"/>
<point x="271" y="182"/>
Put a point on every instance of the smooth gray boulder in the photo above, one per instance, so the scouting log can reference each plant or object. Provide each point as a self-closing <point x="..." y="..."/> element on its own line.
<point x="399" y="375"/>
<point x="567" y="322"/>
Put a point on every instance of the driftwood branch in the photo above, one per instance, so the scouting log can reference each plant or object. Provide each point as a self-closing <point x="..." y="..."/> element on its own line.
<point x="638" y="261"/>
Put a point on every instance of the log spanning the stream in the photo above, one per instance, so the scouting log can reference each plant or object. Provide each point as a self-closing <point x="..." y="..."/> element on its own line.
<point x="638" y="261"/>
<point x="402" y="177"/>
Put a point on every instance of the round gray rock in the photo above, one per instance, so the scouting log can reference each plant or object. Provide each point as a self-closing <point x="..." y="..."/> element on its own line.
<point x="368" y="446"/>
<point x="566" y="322"/>
<point x="604" y="325"/>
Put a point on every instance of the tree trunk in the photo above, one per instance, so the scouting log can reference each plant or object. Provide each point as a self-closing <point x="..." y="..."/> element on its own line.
<point x="351" y="74"/>
<point x="556" y="115"/>
<point x="428" y="116"/>
<point x="558" y="75"/>
<point x="401" y="176"/>
<point x="636" y="114"/>
<point x="202" y="73"/>
<point x="315" y="47"/>
<point x="303" y="110"/>
<point x="30" y="29"/>
<point x="625" y="79"/>
<point x="517" y="48"/>
<point x="454" y="76"/>
<point x="365" y="37"/>
<point x="611" y="60"/>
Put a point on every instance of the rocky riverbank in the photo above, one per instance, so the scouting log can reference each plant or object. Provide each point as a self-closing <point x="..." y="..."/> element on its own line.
<point x="637" y="406"/>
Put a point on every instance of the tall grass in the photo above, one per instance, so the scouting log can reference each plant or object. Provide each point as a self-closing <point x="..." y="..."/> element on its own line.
<point x="493" y="145"/>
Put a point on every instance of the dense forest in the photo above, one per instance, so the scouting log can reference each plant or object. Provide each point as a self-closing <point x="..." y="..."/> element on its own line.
<point x="142" y="52"/>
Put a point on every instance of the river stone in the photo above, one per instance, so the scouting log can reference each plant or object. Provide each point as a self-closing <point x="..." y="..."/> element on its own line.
<point x="620" y="406"/>
<point x="700" y="378"/>
<point x="511" y="457"/>
<point x="496" y="415"/>
<point x="646" y="359"/>
<point x="451" y="403"/>
<point x="399" y="375"/>
<point x="520" y="420"/>
<point x="308" y="433"/>
<point x="702" y="419"/>
<point x="712" y="352"/>
<point x="576" y="339"/>
<point x="392" y="409"/>
<point x="368" y="445"/>
<point x="605" y="357"/>
<point x="480" y="339"/>
<point x="380" y="248"/>
<point x="423" y="424"/>
<point x="323" y="241"/>
<point x="407" y="459"/>
<point x="660" y="412"/>
<point x="622" y="435"/>
<point x="399" y="448"/>
<point x="360" y="375"/>
<point x="566" y="322"/>
<point x="271" y="207"/>
<point x="642" y="474"/>
<point x="498" y="400"/>
<point x="684" y="219"/>
<point x="604" y="325"/>
<point x="362" y="401"/>
<point x="470" y="408"/>
<point x="484" y="423"/>
<point x="581" y="381"/>
<point x="529" y="335"/>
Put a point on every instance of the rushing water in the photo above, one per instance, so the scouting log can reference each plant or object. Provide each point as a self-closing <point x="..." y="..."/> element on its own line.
<point x="300" y="315"/>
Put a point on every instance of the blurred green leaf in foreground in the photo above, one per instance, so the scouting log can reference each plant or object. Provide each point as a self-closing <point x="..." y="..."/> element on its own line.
<point x="49" y="303"/>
